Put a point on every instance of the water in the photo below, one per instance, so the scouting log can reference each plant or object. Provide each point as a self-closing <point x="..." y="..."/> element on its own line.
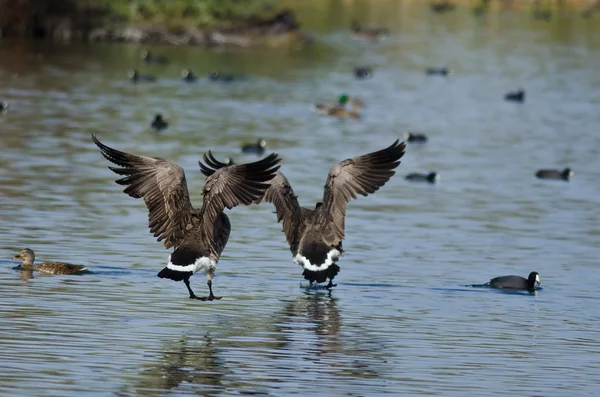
<point x="402" y="320"/>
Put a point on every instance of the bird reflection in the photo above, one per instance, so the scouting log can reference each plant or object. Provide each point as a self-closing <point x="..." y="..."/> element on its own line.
<point x="318" y="309"/>
<point x="182" y="362"/>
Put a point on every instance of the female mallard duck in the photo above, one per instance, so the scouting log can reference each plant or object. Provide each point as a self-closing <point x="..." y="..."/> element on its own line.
<point x="198" y="235"/>
<point x="564" y="175"/>
<point x="148" y="57"/>
<point x="3" y="107"/>
<point x="188" y="76"/>
<point x="315" y="235"/>
<point x="28" y="258"/>
<point x="159" y="123"/>
<point x="371" y="34"/>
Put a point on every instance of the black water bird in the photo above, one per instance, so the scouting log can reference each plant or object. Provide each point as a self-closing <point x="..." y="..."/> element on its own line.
<point x="441" y="7"/>
<point x="255" y="148"/>
<point x="3" y="107"/>
<point x="413" y="137"/>
<point x="198" y="236"/>
<point x="515" y="96"/>
<point x="315" y="235"/>
<point x="363" y="72"/>
<point x="564" y="175"/>
<point x="431" y="177"/>
<point x="148" y="57"/>
<point x="437" y="71"/>
<point x="188" y="76"/>
<point x="159" y="123"/>
<point x="516" y="282"/>
<point x="370" y="33"/>
<point x="137" y="77"/>
<point x="225" y="78"/>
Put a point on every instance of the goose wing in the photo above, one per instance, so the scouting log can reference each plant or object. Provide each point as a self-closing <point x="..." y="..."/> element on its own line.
<point x="163" y="187"/>
<point x="359" y="175"/>
<point x="230" y="186"/>
<point x="287" y="208"/>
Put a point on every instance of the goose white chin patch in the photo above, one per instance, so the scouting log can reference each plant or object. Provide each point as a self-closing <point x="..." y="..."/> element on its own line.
<point x="203" y="263"/>
<point x="332" y="257"/>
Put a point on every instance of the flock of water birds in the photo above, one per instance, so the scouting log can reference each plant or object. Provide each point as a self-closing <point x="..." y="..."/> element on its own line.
<point x="199" y="235"/>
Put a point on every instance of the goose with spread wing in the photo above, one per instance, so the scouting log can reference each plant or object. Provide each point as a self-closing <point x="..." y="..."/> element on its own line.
<point x="198" y="236"/>
<point x="315" y="235"/>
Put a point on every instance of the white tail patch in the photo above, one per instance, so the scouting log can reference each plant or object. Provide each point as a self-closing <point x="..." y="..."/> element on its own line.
<point x="332" y="257"/>
<point x="203" y="263"/>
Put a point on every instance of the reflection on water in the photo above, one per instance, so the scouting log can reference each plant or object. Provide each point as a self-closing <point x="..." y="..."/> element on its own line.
<point x="401" y="320"/>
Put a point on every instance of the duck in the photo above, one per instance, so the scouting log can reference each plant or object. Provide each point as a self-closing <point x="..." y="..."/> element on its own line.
<point x="338" y="111"/>
<point x="564" y="175"/>
<point x="3" y="107"/>
<point x="159" y="123"/>
<point x="188" y="76"/>
<point x="315" y="234"/>
<point x="345" y="99"/>
<point x="229" y="161"/>
<point x="530" y="283"/>
<point x="437" y="71"/>
<point x="255" y="148"/>
<point x="148" y="57"/>
<point x="412" y="137"/>
<point x="28" y="257"/>
<point x="442" y="6"/>
<point x="197" y="235"/>
<point x="363" y="72"/>
<point x="137" y="77"/>
<point x="225" y="78"/>
<point x="370" y="34"/>
<point x="515" y="96"/>
<point x="431" y="177"/>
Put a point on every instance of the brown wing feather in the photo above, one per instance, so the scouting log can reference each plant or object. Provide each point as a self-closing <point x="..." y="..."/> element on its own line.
<point x="234" y="185"/>
<point x="359" y="175"/>
<point x="163" y="187"/>
<point x="287" y="208"/>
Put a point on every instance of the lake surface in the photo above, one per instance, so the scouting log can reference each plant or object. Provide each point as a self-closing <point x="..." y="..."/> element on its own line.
<point x="402" y="320"/>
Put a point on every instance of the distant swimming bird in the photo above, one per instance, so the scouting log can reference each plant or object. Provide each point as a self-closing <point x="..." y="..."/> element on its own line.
<point x="432" y="177"/>
<point x="225" y="78"/>
<point x="197" y="235"/>
<point x="442" y="6"/>
<point x="137" y="77"/>
<point x="413" y="137"/>
<point x="148" y="57"/>
<point x="256" y="148"/>
<point x="345" y="99"/>
<point x="228" y="161"/>
<point x="339" y="111"/>
<point x="437" y="70"/>
<point x="515" y="96"/>
<point x="159" y="123"/>
<point x="315" y="235"/>
<point x="371" y="34"/>
<point x="516" y="282"/>
<point x="363" y="72"/>
<point x="565" y="174"/>
<point x="28" y="257"/>
<point x="188" y="76"/>
<point x="3" y="107"/>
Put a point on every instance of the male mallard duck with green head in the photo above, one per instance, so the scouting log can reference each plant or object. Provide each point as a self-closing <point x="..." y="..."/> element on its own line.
<point x="28" y="257"/>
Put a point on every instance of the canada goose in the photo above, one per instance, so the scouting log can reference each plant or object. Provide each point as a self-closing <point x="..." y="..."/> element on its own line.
<point x="255" y="148"/>
<point x="432" y="177"/>
<point x="188" y="76"/>
<point x="28" y="257"/>
<point x="159" y="123"/>
<point x="137" y="77"/>
<point x="198" y="236"/>
<point x="148" y="57"/>
<point x="315" y="235"/>
<point x="565" y="174"/>
<point x="516" y="282"/>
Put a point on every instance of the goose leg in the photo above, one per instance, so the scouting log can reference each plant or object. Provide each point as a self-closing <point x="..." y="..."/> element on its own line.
<point x="187" y="284"/>
<point x="210" y="296"/>
<point x="330" y="285"/>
